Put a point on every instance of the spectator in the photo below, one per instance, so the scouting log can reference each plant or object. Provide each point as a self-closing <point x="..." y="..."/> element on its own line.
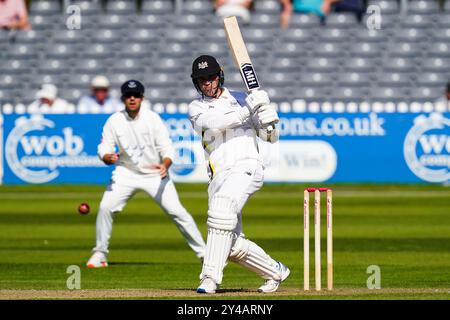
<point x="238" y="8"/>
<point x="99" y="101"/>
<point x="446" y="98"/>
<point x="47" y="101"/>
<point x="13" y="15"/>
<point x="318" y="7"/>
<point x="355" y="6"/>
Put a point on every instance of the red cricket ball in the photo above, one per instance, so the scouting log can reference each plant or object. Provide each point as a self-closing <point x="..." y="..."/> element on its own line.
<point x="83" y="208"/>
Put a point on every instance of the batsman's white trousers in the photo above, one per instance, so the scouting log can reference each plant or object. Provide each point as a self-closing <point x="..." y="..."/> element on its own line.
<point x="163" y="191"/>
<point x="239" y="182"/>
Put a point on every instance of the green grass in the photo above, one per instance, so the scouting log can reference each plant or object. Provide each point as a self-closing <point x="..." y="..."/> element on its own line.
<point x="405" y="230"/>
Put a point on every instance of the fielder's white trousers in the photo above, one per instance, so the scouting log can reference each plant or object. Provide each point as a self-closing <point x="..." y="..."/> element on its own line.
<point x="163" y="191"/>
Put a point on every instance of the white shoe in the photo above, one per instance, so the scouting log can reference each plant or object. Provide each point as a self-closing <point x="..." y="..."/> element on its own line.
<point x="207" y="285"/>
<point x="97" y="260"/>
<point x="272" y="285"/>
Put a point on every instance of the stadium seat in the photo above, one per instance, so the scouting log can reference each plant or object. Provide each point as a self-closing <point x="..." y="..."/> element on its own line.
<point x="169" y="65"/>
<point x="291" y="49"/>
<point x="279" y="94"/>
<point x="438" y="49"/>
<point x="163" y="80"/>
<point x="360" y="64"/>
<point x="157" y="7"/>
<point x="190" y="21"/>
<point x="278" y="79"/>
<point x="54" y="66"/>
<point x="333" y="35"/>
<point x="89" y="66"/>
<point x="423" y="7"/>
<point x="80" y="81"/>
<point x="386" y="22"/>
<point x="341" y="20"/>
<point x="60" y="51"/>
<point x="129" y="66"/>
<point x="88" y="8"/>
<point x="297" y="35"/>
<point x="186" y="94"/>
<point x="107" y="36"/>
<point x="15" y="66"/>
<point x="311" y="94"/>
<point x="425" y="94"/>
<point x="69" y="36"/>
<point x="447" y="6"/>
<point x="393" y="79"/>
<point x="438" y="65"/>
<point x="31" y="36"/>
<point x="365" y="35"/>
<point x="152" y="21"/>
<point x="399" y="65"/>
<point x="27" y="97"/>
<point x="417" y="21"/>
<point x="115" y="21"/>
<point x="267" y="6"/>
<point x="257" y="35"/>
<point x="9" y="81"/>
<point x="71" y="95"/>
<point x="315" y="79"/>
<point x="264" y="21"/>
<point x="199" y="7"/>
<point x="348" y="94"/>
<point x="141" y="36"/>
<point x="121" y="7"/>
<point x="181" y="35"/>
<point x="406" y="49"/>
<point x="328" y="49"/>
<point x="432" y="79"/>
<point x="322" y="64"/>
<point x="410" y="35"/>
<point x="178" y="50"/>
<point x="162" y="95"/>
<point x="117" y="79"/>
<point x="45" y="8"/>
<point x="304" y="21"/>
<point x="443" y="20"/>
<point x="257" y="49"/>
<point x="98" y="51"/>
<point x="387" y="6"/>
<point x="354" y="79"/>
<point x="37" y="80"/>
<point x="387" y="94"/>
<point x="22" y="51"/>
<point x="442" y="35"/>
<point x="366" y="49"/>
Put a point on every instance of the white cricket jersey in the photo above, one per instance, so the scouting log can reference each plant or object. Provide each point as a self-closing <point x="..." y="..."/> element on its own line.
<point x="226" y="129"/>
<point x="141" y="142"/>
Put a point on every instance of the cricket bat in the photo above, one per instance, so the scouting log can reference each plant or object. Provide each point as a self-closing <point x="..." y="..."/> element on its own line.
<point x="240" y="56"/>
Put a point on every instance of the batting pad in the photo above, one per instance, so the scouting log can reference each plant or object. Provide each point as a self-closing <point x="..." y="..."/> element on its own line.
<point x="218" y="246"/>
<point x="222" y="213"/>
<point x="249" y="255"/>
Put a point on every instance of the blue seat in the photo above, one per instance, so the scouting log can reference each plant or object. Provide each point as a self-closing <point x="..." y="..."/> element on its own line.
<point x="121" y="7"/>
<point x="423" y="7"/>
<point x="158" y="7"/>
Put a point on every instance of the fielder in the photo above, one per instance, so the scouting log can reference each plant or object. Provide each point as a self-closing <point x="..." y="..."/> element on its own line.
<point x="144" y="155"/>
<point x="229" y="123"/>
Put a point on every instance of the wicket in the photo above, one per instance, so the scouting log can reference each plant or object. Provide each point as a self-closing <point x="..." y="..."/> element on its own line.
<point x="317" y="251"/>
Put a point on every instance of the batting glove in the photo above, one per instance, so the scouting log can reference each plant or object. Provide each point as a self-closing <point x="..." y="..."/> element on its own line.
<point x="256" y="99"/>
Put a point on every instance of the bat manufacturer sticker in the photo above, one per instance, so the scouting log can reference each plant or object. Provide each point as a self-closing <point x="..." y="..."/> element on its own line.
<point x="249" y="76"/>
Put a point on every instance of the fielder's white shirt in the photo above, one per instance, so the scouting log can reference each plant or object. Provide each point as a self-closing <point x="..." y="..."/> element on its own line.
<point x="142" y="142"/>
<point x="226" y="129"/>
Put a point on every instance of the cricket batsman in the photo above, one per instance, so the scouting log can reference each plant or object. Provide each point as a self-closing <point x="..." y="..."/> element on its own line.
<point x="143" y="156"/>
<point x="229" y="123"/>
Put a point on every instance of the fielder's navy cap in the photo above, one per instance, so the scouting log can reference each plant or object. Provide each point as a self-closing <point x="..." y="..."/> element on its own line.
<point x="132" y="86"/>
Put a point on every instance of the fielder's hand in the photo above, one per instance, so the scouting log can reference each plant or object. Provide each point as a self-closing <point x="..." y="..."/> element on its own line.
<point x="267" y="115"/>
<point x="110" y="158"/>
<point x="256" y="99"/>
